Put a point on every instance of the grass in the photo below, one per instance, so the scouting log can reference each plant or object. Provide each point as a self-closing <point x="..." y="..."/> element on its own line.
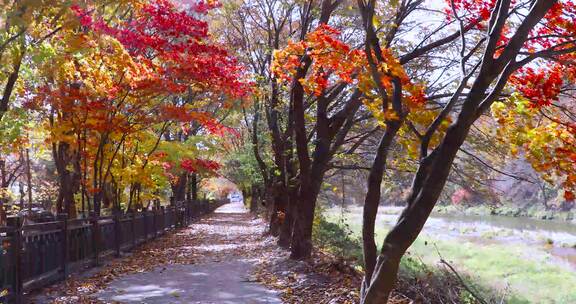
<point x="526" y="272"/>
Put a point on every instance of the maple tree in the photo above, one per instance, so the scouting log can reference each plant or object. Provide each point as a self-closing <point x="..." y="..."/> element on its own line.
<point x="545" y="135"/>
<point x="113" y="88"/>
<point x="336" y="63"/>
<point x="257" y="28"/>
<point x="26" y="25"/>
<point x="497" y="54"/>
<point x="135" y="99"/>
<point x="543" y="33"/>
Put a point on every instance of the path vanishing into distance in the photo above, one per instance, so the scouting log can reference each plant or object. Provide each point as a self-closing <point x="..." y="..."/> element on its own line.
<point x="211" y="261"/>
<point x="215" y="279"/>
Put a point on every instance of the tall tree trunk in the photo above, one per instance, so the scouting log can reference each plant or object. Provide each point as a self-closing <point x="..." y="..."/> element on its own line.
<point x="29" y="179"/>
<point x="372" y="201"/>
<point x="194" y="186"/>
<point x="68" y="179"/>
<point x="179" y="189"/>
<point x="256" y="198"/>
<point x="189" y="188"/>
<point x="412" y="220"/>
<point x="288" y="225"/>
<point x="301" y="243"/>
<point x="311" y="170"/>
<point x="3" y="188"/>
<point x="278" y="208"/>
<point x="11" y="82"/>
<point x="21" y="189"/>
<point x="97" y="203"/>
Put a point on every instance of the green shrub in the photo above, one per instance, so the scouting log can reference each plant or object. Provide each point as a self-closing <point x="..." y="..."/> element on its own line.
<point x="337" y="238"/>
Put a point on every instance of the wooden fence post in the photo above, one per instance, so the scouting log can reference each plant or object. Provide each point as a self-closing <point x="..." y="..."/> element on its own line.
<point x="163" y="212"/>
<point x="154" y="227"/>
<point x="144" y="215"/>
<point x="133" y="229"/>
<point x="64" y="261"/>
<point x="176" y="217"/>
<point x="17" y="258"/>
<point x="96" y="240"/>
<point x="117" y="233"/>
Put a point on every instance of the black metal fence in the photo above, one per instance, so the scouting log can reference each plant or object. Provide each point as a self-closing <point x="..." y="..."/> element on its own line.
<point x="36" y="255"/>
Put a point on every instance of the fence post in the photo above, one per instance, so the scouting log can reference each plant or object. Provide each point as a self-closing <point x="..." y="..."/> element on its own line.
<point x="185" y="214"/>
<point x="154" y="226"/>
<point x="144" y="214"/>
<point x="133" y="229"/>
<point x="183" y="211"/>
<point x="64" y="261"/>
<point x="17" y="258"/>
<point x="117" y="233"/>
<point x="176" y="217"/>
<point x="96" y="240"/>
<point x="163" y="212"/>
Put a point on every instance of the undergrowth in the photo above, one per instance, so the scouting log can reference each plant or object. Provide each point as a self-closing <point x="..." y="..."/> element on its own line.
<point x="417" y="280"/>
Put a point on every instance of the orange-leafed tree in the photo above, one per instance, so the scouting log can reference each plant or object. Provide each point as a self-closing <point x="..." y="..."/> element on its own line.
<point x="108" y="95"/>
<point x="501" y="47"/>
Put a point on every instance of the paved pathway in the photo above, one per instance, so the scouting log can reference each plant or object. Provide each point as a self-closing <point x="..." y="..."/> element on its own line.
<point x="228" y="241"/>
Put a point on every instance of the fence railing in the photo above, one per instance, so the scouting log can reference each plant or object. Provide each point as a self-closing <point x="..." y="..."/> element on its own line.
<point x="36" y="255"/>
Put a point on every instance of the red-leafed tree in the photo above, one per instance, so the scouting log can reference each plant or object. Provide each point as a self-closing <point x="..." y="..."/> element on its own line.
<point x="127" y="75"/>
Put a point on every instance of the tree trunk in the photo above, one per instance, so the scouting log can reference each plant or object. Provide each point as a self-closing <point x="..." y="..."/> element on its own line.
<point x="312" y="169"/>
<point x="422" y="200"/>
<point x="301" y="244"/>
<point x="189" y="187"/>
<point x="372" y="201"/>
<point x="69" y="180"/>
<point x="98" y="203"/>
<point x="21" y="189"/>
<point x="288" y="225"/>
<point x="29" y="179"/>
<point x="277" y="208"/>
<point x="179" y="189"/>
<point x="194" y="186"/>
<point x="256" y="198"/>
<point x="434" y="168"/>
<point x="3" y="188"/>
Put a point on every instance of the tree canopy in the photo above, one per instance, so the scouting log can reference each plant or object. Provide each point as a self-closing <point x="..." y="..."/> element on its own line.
<point x="119" y="104"/>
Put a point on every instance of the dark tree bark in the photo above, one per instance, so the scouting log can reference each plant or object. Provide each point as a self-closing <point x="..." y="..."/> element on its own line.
<point x="277" y="208"/>
<point x="290" y="216"/>
<point x="189" y="188"/>
<point x="179" y="188"/>
<point x="194" y="186"/>
<point x="68" y="169"/>
<point x="256" y="199"/>
<point x="372" y="199"/>
<point x="28" y="179"/>
<point x="3" y="186"/>
<point x="9" y="88"/>
<point x="434" y="168"/>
